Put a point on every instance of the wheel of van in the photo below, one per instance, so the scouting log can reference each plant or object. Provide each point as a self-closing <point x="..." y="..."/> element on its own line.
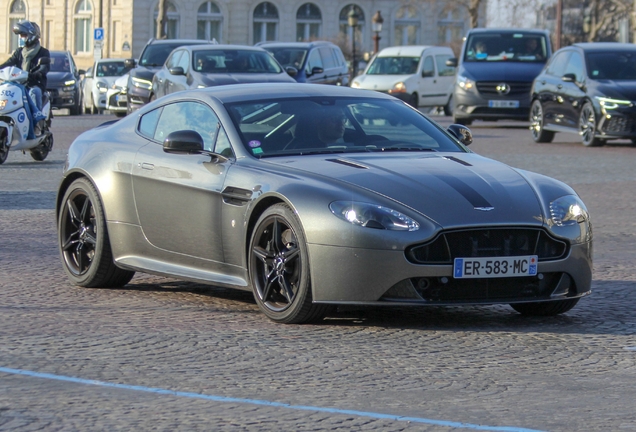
<point x="539" y="134"/>
<point x="587" y="126"/>
<point x="414" y="100"/>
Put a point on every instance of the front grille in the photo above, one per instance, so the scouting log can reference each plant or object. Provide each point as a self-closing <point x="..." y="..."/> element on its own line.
<point x="619" y="125"/>
<point x="113" y="102"/>
<point x="516" y="88"/>
<point x="493" y="242"/>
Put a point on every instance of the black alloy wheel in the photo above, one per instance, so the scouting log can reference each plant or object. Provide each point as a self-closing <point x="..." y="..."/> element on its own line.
<point x="548" y="308"/>
<point x="539" y="134"/>
<point x="83" y="240"/>
<point x="279" y="268"/>
<point x="587" y="126"/>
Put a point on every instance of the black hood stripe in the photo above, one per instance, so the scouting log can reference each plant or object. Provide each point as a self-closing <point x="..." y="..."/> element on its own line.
<point x="465" y="190"/>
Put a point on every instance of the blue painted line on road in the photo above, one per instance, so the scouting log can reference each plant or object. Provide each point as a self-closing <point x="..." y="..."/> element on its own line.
<point x="380" y="416"/>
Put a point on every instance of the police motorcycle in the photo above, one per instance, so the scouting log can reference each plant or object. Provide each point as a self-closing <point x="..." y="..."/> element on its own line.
<point x="14" y="121"/>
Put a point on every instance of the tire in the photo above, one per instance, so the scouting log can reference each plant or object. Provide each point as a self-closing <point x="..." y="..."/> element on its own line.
<point x="539" y="135"/>
<point x="93" y="107"/>
<point x="279" y="268"/>
<point x="549" y="308"/>
<point x="587" y="126"/>
<point x="414" y="100"/>
<point x="448" y="108"/>
<point x="40" y="152"/>
<point x="4" y="148"/>
<point x="83" y="240"/>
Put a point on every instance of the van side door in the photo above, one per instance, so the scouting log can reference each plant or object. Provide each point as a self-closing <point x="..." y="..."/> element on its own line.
<point x="429" y="88"/>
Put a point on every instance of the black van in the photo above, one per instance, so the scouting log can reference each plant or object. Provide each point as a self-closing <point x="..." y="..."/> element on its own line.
<point x="495" y="73"/>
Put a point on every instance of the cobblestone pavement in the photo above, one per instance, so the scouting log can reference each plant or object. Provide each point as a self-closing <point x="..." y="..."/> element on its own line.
<point x="447" y="369"/>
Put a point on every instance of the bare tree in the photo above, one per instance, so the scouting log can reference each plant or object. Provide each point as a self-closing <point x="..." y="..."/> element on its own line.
<point x="161" y="20"/>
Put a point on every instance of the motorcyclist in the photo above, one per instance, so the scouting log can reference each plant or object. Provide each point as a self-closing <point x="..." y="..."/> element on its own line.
<point x="26" y="57"/>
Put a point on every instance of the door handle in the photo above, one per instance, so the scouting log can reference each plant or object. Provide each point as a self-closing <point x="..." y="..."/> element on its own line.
<point x="147" y="166"/>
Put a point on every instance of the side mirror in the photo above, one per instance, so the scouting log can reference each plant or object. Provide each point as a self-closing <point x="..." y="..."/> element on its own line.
<point x="569" y="77"/>
<point x="462" y="133"/>
<point x="426" y="74"/>
<point x="316" y="70"/>
<point x="178" y="70"/>
<point x="183" y="142"/>
<point x="130" y="63"/>
<point x="451" y="62"/>
<point x="291" y="71"/>
<point x="81" y="72"/>
<point x="88" y="74"/>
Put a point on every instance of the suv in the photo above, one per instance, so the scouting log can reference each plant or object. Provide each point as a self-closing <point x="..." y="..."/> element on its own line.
<point x="317" y="62"/>
<point x="151" y="60"/>
<point x="63" y="82"/>
<point x="495" y="73"/>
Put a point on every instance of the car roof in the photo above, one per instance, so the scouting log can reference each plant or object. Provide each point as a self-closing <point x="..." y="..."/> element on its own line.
<point x="604" y="46"/>
<point x="181" y="41"/>
<point x="407" y="50"/>
<point x="294" y="44"/>
<point x="224" y="47"/>
<point x="508" y="30"/>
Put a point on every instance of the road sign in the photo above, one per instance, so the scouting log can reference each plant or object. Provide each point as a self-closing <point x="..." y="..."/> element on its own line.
<point x="98" y="33"/>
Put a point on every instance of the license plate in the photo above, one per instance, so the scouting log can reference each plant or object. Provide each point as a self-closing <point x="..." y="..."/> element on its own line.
<point x="120" y="98"/>
<point x="503" y="104"/>
<point x="466" y="268"/>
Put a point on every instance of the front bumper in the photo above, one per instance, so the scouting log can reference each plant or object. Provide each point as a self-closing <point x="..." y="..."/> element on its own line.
<point x="617" y="123"/>
<point x="137" y="97"/>
<point x="116" y="102"/>
<point x="481" y="102"/>
<point x="63" y="97"/>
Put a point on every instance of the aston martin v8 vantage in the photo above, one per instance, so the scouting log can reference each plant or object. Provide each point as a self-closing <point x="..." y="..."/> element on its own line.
<point x="314" y="196"/>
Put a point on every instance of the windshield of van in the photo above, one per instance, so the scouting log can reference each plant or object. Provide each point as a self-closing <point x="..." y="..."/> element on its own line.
<point x="501" y="47"/>
<point x="393" y="66"/>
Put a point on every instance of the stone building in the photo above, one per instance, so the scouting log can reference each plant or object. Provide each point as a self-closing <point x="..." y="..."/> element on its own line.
<point x="128" y="24"/>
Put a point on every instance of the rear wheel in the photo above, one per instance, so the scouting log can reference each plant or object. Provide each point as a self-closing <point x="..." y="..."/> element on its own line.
<point x="83" y="240"/>
<point x="549" y="308"/>
<point x="587" y="126"/>
<point x="4" y="146"/>
<point x="539" y="134"/>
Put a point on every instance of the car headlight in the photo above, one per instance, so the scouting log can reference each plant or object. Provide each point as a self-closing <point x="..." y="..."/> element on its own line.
<point x="102" y="87"/>
<point x="372" y="216"/>
<point x="69" y="83"/>
<point x="398" y="88"/>
<point x="568" y="210"/>
<point x="355" y="84"/>
<point x="142" y="83"/>
<point x="465" y="83"/>
<point x="609" y="103"/>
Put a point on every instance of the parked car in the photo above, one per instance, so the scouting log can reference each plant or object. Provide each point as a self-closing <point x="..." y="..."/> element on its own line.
<point x="312" y="195"/>
<point x="416" y="74"/>
<point x="587" y="89"/>
<point x="116" y="96"/>
<point x="97" y="80"/>
<point x="199" y="66"/>
<point x="152" y="58"/>
<point x="495" y="73"/>
<point x="317" y="62"/>
<point x="64" y="82"/>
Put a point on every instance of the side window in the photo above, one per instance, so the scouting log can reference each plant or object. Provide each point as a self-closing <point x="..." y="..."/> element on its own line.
<point x="184" y="61"/>
<point x="558" y="64"/>
<point x="442" y="69"/>
<point x="428" y="68"/>
<point x="223" y="146"/>
<point x="575" y="66"/>
<point x="148" y="123"/>
<point x="173" y="118"/>
<point x="327" y="57"/>
<point x="314" y="61"/>
<point x="174" y="59"/>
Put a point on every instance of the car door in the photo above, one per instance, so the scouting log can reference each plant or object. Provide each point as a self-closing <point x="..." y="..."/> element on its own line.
<point x="315" y="61"/>
<point x="428" y="88"/>
<point x="180" y="82"/>
<point x="162" y="79"/>
<point x="445" y="77"/>
<point x="178" y="196"/>
<point x="572" y="94"/>
<point x="329" y="65"/>
<point x="549" y="86"/>
<point x="87" y="86"/>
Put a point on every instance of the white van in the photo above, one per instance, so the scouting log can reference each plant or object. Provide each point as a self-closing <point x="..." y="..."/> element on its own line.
<point x="416" y="74"/>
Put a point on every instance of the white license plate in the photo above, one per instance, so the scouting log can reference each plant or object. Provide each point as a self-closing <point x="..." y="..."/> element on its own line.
<point x="465" y="268"/>
<point x="503" y="104"/>
<point x="120" y="98"/>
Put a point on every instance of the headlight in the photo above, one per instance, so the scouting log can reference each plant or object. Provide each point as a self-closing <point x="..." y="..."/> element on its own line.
<point x="609" y="103"/>
<point x="372" y="216"/>
<point x="398" y="88"/>
<point x="465" y="83"/>
<point x="69" y="82"/>
<point x="102" y="87"/>
<point x="568" y="210"/>
<point x="142" y="83"/>
<point x="355" y="84"/>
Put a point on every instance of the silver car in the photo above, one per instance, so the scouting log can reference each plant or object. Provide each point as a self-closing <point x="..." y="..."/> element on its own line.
<point x="312" y="196"/>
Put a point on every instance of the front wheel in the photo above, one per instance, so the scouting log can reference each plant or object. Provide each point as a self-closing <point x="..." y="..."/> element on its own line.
<point x="587" y="126"/>
<point x="40" y="152"/>
<point x="279" y="268"/>
<point x="414" y="100"/>
<point x="549" y="308"/>
<point x="83" y="240"/>
<point x="539" y="134"/>
<point x="448" y="108"/>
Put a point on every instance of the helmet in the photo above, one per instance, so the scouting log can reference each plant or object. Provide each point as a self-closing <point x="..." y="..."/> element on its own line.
<point x="29" y="28"/>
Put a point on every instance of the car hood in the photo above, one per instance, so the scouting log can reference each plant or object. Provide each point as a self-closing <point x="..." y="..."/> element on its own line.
<point x="617" y="89"/>
<point x="144" y="72"/>
<point x="452" y="189"/>
<point x="108" y="80"/>
<point x="234" y="78"/>
<point x="501" y="71"/>
<point x="55" y="79"/>
<point x="380" y="82"/>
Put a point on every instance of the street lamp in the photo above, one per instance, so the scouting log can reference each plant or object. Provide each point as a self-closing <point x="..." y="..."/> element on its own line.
<point x="376" y="21"/>
<point x="353" y="22"/>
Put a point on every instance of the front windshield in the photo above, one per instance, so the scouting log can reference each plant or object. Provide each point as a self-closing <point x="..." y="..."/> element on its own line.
<point x="156" y="54"/>
<point x="294" y="57"/>
<point x="234" y="61"/>
<point x="111" y="69"/>
<point x="60" y="63"/>
<point x="335" y="125"/>
<point x="612" y="65"/>
<point x="393" y="66"/>
<point x="503" y="47"/>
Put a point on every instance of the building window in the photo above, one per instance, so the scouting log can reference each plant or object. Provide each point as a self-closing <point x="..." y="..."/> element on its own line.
<point x="345" y="29"/>
<point x="48" y="28"/>
<point x="450" y="27"/>
<point x="172" y="21"/>
<point x="407" y="26"/>
<point x="116" y="37"/>
<point x="17" y="12"/>
<point x="83" y="26"/>
<point x="209" y="20"/>
<point x="308" y="22"/>
<point x="265" y="22"/>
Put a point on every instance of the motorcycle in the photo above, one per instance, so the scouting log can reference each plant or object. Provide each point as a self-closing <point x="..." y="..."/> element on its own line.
<point x="14" y="121"/>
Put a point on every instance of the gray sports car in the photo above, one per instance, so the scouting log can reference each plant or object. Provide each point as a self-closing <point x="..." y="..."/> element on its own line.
<point x="313" y="196"/>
